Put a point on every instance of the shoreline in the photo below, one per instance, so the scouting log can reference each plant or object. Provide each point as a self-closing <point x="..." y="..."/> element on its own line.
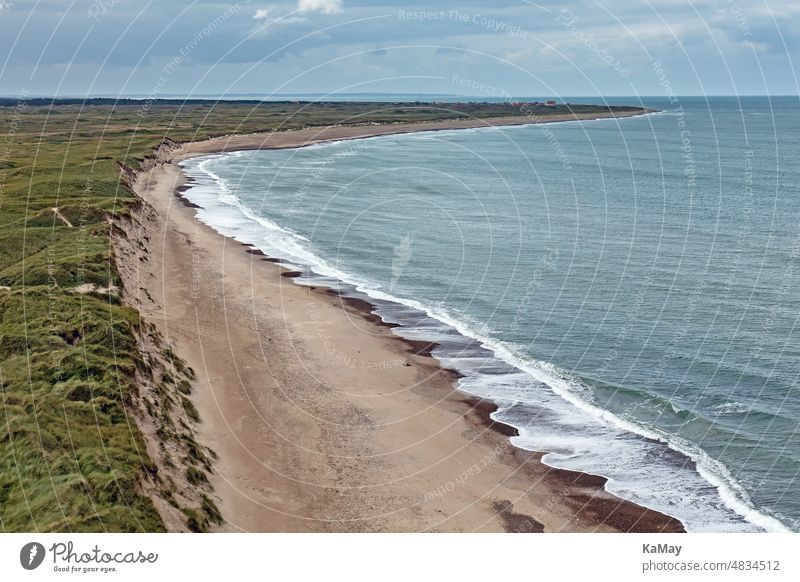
<point x="421" y="456"/>
<point x="298" y="138"/>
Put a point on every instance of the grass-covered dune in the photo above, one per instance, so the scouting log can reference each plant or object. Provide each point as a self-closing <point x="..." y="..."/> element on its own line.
<point x="80" y="374"/>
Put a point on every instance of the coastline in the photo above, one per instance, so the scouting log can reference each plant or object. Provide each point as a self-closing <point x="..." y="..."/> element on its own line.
<point x="315" y="135"/>
<point x="322" y="419"/>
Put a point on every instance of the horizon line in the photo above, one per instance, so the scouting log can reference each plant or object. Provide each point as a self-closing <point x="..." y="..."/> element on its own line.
<point x="135" y="95"/>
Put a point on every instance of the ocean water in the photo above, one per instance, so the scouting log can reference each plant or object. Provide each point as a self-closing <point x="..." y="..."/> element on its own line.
<point x="625" y="290"/>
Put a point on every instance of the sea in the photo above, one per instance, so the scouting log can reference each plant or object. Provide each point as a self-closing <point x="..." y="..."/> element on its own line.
<point x="627" y="291"/>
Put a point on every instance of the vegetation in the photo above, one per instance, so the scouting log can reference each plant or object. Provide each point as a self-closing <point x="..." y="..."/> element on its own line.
<point x="72" y="457"/>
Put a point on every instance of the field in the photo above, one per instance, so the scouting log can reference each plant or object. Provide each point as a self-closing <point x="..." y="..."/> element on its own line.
<point x="79" y="373"/>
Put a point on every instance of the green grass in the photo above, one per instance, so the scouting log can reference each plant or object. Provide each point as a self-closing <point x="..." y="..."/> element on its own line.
<point x="71" y="456"/>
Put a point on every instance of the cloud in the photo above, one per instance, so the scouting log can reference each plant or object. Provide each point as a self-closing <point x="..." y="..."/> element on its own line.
<point x="323" y="6"/>
<point x="263" y="13"/>
<point x="683" y="36"/>
<point x="267" y="22"/>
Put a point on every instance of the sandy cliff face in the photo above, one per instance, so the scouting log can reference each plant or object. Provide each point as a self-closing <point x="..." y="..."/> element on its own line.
<point x="177" y="479"/>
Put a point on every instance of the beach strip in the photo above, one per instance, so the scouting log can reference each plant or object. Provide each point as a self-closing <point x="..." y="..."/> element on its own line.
<point x="321" y="418"/>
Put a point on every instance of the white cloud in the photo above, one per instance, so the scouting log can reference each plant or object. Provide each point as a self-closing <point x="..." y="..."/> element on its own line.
<point x="268" y="18"/>
<point x="5" y="5"/>
<point x="303" y="7"/>
<point x="324" y="6"/>
<point x="263" y="13"/>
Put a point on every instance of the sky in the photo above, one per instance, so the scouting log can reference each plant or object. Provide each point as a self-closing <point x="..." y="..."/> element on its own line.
<point x="492" y="48"/>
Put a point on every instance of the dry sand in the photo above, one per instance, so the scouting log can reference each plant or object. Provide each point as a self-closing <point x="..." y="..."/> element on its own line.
<point x="322" y="419"/>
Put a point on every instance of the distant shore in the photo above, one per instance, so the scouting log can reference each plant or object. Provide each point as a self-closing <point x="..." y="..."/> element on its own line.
<point x="314" y="135"/>
<point x="321" y="418"/>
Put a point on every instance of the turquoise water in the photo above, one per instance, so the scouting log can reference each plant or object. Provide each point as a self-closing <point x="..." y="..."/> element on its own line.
<point x="625" y="290"/>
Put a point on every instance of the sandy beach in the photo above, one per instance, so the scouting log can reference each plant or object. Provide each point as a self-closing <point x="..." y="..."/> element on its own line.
<point x="321" y="418"/>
